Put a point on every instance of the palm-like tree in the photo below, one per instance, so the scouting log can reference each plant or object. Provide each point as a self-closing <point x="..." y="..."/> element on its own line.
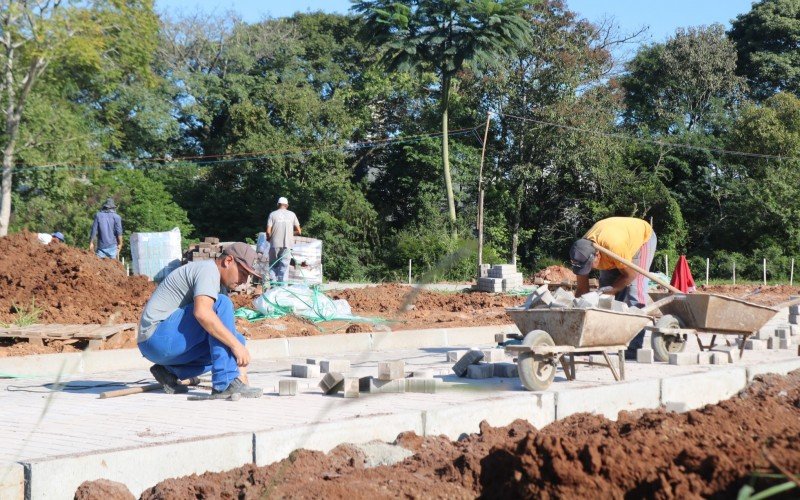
<point x="445" y="36"/>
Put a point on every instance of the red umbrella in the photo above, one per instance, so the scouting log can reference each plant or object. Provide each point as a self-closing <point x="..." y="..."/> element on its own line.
<point x="682" y="276"/>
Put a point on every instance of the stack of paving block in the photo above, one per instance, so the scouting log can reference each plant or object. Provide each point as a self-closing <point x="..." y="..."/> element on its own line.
<point x="774" y="337"/>
<point x="500" y="278"/>
<point x="543" y="298"/>
<point x="794" y="312"/>
<point x="209" y="248"/>
<point x="482" y="363"/>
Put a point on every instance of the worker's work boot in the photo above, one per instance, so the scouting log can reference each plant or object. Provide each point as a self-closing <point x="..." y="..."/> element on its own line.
<point x="168" y="381"/>
<point x="237" y="387"/>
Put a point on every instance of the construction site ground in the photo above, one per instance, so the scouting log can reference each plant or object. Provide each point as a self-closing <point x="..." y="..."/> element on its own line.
<point x="53" y="440"/>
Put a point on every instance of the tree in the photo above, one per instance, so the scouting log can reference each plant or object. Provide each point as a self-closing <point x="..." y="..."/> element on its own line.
<point x="767" y="41"/>
<point x="445" y="36"/>
<point x="106" y="40"/>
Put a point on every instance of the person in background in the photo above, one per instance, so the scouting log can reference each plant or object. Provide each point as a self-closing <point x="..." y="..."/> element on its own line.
<point x="633" y="240"/>
<point x="46" y="239"/>
<point x="107" y="229"/>
<point x="282" y="227"/>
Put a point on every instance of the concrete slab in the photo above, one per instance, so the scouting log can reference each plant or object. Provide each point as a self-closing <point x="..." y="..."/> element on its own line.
<point x="780" y="368"/>
<point x="689" y="392"/>
<point x="609" y="400"/>
<point x="268" y="348"/>
<point x="385" y="341"/>
<point x="277" y="444"/>
<point x="322" y="344"/>
<point x="12" y="481"/>
<point x="137" y="468"/>
<point x="536" y="407"/>
<point x="478" y="335"/>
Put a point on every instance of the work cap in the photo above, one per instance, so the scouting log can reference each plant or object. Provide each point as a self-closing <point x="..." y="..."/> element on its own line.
<point x="109" y="203"/>
<point x="283" y="201"/>
<point x="58" y="235"/>
<point x="243" y="254"/>
<point x="582" y="256"/>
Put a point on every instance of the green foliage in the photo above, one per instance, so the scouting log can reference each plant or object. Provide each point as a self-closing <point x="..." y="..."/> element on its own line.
<point x="26" y="315"/>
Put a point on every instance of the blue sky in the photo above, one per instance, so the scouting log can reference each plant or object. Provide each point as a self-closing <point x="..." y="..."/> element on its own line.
<point x="661" y="16"/>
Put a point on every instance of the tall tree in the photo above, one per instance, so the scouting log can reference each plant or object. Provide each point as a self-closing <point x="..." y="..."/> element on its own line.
<point x="767" y="41"/>
<point x="445" y="36"/>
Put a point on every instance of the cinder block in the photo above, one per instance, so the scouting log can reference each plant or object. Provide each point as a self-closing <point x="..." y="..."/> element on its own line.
<point x="351" y="387"/>
<point x="494" y="355"/>
<point x="469" y="358"/>
<point x="391" y="370"/>
<point x="332" y="383"/>
<point x="372" y="385"/>
<point x="703" y="358"/>
<point x="645" y="356"/>
<point x="682" y="358"/>
<point x="506" y="370"/>
<point x="483" y="370"/>
<point x="755" y="344"/>
<point x="422" y="374"/>
<point x="334" y="365"/>
<point x="423" y="385"/>
<point x="305" y="371"/>
<point x="720" y="358"/>
<point x="287" y="387"/>
<point x="454" y="356"/>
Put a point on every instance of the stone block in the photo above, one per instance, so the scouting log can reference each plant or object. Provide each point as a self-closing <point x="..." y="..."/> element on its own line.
<point x="332" y="383"/>
<point x="494" y="355"/>
<point x="454" y="356"/>
<point x="772" y="343"/>
<point x="619" y="306"/>
<point x="645" y="356"/>
<point x="422" y="385"/>
<point x="794" y="318"/>
<point x="682" y="358"/>
<point x="287" y="387"/>
<point x="499" y="338"/>
<point x="703" y="358"/>
<point x="490" y="284"/>
<point x="483" y="370"/>
<point x="783" y="333"/>
<point x="351" y="387"/>
<point x="374" y="386"/>
<point x="391" y="370"/>
<point x="469" y="358"/>
<point x="730" y="353"/>
<point x="587" y="300"/>
<point x="505" y="370"/>
<point x="795" y="309"/>
<point x="422" y="374"/>
<point x="605" y="302"/>
<point x="305" y="371"/>
<point x="314" y="361"/>
<point x="755" y="344"/>
<point x="334" y="365"/>
<point x="766" y="332"/>
<point x="502" y="270"/>
<point x="784" y="343"/>
<point x="720" y="358"/>
<point x="561" y="293"/>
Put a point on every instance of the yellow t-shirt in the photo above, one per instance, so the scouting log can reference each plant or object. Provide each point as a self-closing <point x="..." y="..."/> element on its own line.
<point x="622" y="235"/>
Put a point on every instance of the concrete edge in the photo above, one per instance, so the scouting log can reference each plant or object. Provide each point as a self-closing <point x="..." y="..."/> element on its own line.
<point x="778" y="367"/>
<point x="130" y="359"/>
<point x="12" y="481"/>
<point x="695" y="390"/>
<point x="609" y="400"/>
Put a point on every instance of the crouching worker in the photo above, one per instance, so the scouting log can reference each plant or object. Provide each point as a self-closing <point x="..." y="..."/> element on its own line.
<point x="187" y="327"/>
<point x="630" y="238"/>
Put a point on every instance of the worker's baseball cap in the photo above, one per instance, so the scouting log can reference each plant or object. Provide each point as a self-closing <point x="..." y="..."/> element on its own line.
<point x="58" y="235"/>
<point x="582" y="256"/>
<point x="243" y="254"/>
<point x="283" y="201"/>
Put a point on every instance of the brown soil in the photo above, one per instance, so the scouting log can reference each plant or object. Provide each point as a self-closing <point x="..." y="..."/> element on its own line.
<point x="556" y="274"/>
<point x="709" y="452"/>
<point x="766" y="295"/>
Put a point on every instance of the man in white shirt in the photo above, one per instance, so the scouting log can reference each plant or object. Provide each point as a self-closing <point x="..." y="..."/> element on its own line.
<point x="282" y="227"/>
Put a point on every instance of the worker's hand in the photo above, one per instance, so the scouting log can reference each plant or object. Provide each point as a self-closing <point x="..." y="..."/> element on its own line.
<point x="91" y="246"/>
<point x="605" y="290"/>
<point x="241" y="354"/>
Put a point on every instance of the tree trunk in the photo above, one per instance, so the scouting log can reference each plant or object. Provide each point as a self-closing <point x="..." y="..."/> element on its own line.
<point x="517" y="219"/>
<point x="448" y="183"/>
<point x="5" y="186"/>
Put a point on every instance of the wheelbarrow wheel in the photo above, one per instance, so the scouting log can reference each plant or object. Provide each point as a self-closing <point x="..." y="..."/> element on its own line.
<point x="536" y="371"/>
<point x="664" y="345"/>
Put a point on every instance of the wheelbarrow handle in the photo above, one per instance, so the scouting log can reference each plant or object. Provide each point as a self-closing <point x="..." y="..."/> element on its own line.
<point x="636" y="268"/>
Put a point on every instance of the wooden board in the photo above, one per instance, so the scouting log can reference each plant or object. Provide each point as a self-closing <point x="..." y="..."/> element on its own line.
<point x="66" y="332"/>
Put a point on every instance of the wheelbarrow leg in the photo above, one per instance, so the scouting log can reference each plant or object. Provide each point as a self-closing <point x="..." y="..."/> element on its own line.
<point x="621" y="356"/>
<point x="741" y="347"/>
<point x="613" y="369"/>
<point x="713" y="342"/>
<point x="699" y="342"/>
<point x="568" y="364"/>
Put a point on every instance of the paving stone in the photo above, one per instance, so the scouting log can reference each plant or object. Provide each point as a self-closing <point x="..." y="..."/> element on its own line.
<point x="561" y="302"/>
<point x="502" y="270"/>
<point x="605" y="302"/>
<point x="334" y="365"/>
<point x="469" y="358"/>
<point x="351" y="387"/>
<point x="755" y="344"/>
<point x="587" y="300"/>
<point x="537" y="297"/>
<point x="731" y="353"/>
<point x="795" y="309"/>
<point x="766" y="332"/>
<point x="783" y="333"/>
<point x="422" y="385"/>
<point x="784" y="343"/>
<point x="332" y="383"/>
<point x="720" y="358"/>
<point x="645" y="356"/>
<point x="422" y="374"/>
<point x="794" y="319"/>
<point x="772" y="343"/>
<point x="619" y="306"/>
<point x="314" y="361"/>
<point x="483" y="370"/>
<point x="683" y="358"/>
<point x="373" y="385"/>
<point x="391" y="370"/>
<point x="499" y="338"/>
<point x="506" y="370"/>
<point x="287" y="387"/>
<point x="305" y="371"/>
<point x="703" y="358"/>
<point x="453" y="356"/>
<point x="490" y="284"/>
<point x="494" y="355"/>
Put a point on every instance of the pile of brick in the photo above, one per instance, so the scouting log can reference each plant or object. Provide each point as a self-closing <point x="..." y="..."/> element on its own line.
<point x="482" y="363"/>
<point x="499" y="278"/>
<point x="774" y="337"/>
<point x="542" y="298"/>
<point x="209" y="248"/>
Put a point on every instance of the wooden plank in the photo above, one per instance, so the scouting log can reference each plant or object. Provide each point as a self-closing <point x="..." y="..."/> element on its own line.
<point x="65" y="331"/>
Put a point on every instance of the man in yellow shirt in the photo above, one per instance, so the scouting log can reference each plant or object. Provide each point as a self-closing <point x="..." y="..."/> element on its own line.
<point x="630" y="238"/>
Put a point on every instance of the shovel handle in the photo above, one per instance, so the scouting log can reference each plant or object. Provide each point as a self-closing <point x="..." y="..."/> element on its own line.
<point x="636" y="268"/>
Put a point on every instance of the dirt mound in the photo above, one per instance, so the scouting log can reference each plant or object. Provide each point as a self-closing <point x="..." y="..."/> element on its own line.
<point x="703" y="453"/>
<point x="67" y="284"/>
<point x="103" y="489"/>
<point x="768" y="295"/>
<point x="556" y="274"/>
<point x="394" y="298"/>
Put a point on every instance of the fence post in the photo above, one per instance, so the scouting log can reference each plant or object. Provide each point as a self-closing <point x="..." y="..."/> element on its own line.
<point x="707" y="262"/>
<point x="734" y="272"/>
<point x="791" y="274"/>
<point x="409" y="271"/>
<point x="666" y="264"/>
<point x="765" y="272"/>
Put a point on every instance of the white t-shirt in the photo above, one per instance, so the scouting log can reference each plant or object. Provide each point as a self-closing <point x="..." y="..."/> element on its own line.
<point x="282" y="222"/>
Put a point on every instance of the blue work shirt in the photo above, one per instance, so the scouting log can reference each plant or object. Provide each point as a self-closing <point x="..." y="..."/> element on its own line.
<point x="107" y="226"/>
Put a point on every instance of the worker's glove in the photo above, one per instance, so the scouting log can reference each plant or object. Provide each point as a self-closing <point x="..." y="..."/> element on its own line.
<point x="605" y="289"/>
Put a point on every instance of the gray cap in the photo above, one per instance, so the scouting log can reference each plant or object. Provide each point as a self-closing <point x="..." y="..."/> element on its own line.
<point x="243" y="254"/>
<point x="582" y="256"/>
<point x="109" y="203"/>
